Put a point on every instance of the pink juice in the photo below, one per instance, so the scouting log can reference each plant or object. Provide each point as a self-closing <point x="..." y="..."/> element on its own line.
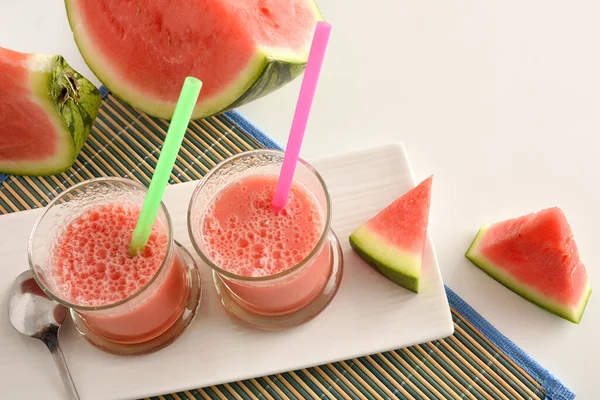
<point x="92" y="267"/>
<point x="245" y="236"/>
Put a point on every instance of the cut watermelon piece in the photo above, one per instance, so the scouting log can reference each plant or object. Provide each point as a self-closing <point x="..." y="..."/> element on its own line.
<point x="46" y="111"/>
<point x="240" y="49"/>
<point x="393" y="240"/>
<point x="536" y="257"/>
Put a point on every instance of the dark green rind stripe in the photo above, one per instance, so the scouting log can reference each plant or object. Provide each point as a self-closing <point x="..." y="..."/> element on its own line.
<point x="275" y="75"/>
<point x="76" y="100"/>
<point x="406" y="281"/>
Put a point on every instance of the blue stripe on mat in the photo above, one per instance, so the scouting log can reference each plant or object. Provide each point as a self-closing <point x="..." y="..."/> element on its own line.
<point x="555" y="390"/>
<point x="252" y="130"/>
<point x="103" y="91"/>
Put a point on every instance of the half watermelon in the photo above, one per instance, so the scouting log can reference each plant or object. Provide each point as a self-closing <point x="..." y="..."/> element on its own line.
<point x="393" y="240"/>
<point x="240" y="49"/>
<point x="535" y="256"/>
<point x="46" y="111"/>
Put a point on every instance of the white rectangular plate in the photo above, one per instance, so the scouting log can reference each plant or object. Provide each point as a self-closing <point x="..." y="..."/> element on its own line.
<point x="369" y="314"/>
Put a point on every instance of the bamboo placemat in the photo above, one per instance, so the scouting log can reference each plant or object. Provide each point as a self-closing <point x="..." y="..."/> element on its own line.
<point x="467" y="365"/>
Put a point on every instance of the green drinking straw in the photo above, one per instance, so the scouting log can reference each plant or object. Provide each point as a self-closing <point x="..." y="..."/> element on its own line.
<point x="166" y="160"/>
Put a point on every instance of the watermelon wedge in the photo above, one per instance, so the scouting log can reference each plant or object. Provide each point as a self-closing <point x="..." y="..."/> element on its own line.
<point x="241" y="50"/>
<point x="393" y="240"/>
<point x="46" y="112"/>
<point x="535" y="256"/>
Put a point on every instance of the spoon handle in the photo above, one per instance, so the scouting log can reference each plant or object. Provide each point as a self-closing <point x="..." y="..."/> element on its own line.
<point x="51" y="341"/>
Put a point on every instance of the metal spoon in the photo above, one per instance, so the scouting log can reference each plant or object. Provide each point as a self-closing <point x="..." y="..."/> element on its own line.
<point x="34" y="314"/>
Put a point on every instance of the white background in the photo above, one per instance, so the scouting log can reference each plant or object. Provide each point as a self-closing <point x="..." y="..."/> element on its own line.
<point x="498" y="99"/>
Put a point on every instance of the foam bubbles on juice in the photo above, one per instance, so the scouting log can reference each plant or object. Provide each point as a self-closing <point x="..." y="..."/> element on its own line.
<point x="244" y="235"/>
<point x="91" y="261"/>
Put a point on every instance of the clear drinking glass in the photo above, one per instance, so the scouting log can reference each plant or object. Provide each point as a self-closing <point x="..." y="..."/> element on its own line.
<point x="288" y="298"/>
<point x="148" y="319"/>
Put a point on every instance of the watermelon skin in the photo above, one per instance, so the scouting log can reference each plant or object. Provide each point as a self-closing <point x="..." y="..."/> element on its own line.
<point x="536" y="257"/>
<point x="274" y="75"/>
<point x="393" y="241"/>
<point x="247" y="64"/>
<point x="47" y="110"/>
<point x="400" y="267"/>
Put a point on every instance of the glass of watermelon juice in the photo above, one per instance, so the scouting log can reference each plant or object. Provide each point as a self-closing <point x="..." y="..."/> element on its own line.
<point x="271" y="269"/>
<point x="123" y="304"/>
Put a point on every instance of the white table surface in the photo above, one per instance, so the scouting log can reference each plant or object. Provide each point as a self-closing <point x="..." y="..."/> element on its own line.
<point x="498" y="99"/>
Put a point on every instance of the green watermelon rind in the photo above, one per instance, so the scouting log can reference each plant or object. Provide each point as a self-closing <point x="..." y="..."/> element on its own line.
<point x="72" y="119"/>
<point x="274" y="75"/>
<point x="268" y="70"/>
<point x="401" y="267"/>
<point x="525" y="291"/>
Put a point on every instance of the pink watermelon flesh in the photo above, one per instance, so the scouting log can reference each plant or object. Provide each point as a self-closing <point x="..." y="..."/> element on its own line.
<point x="36" y="138"/>
<point x="46" y="112"/>
<point x="536" y="256"/>
<point x="393" y="240"/>
<point x="145" y="50"/>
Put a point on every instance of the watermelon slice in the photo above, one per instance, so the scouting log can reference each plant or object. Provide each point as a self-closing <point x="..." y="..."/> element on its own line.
<point x="240" y="49"/>
<point x="535" y="256"/>
<point x="46" y="112"/>
<point x="393" y="240"/>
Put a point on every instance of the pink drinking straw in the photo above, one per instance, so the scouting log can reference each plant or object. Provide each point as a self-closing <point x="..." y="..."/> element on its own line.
<point x="305" y="99"/>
